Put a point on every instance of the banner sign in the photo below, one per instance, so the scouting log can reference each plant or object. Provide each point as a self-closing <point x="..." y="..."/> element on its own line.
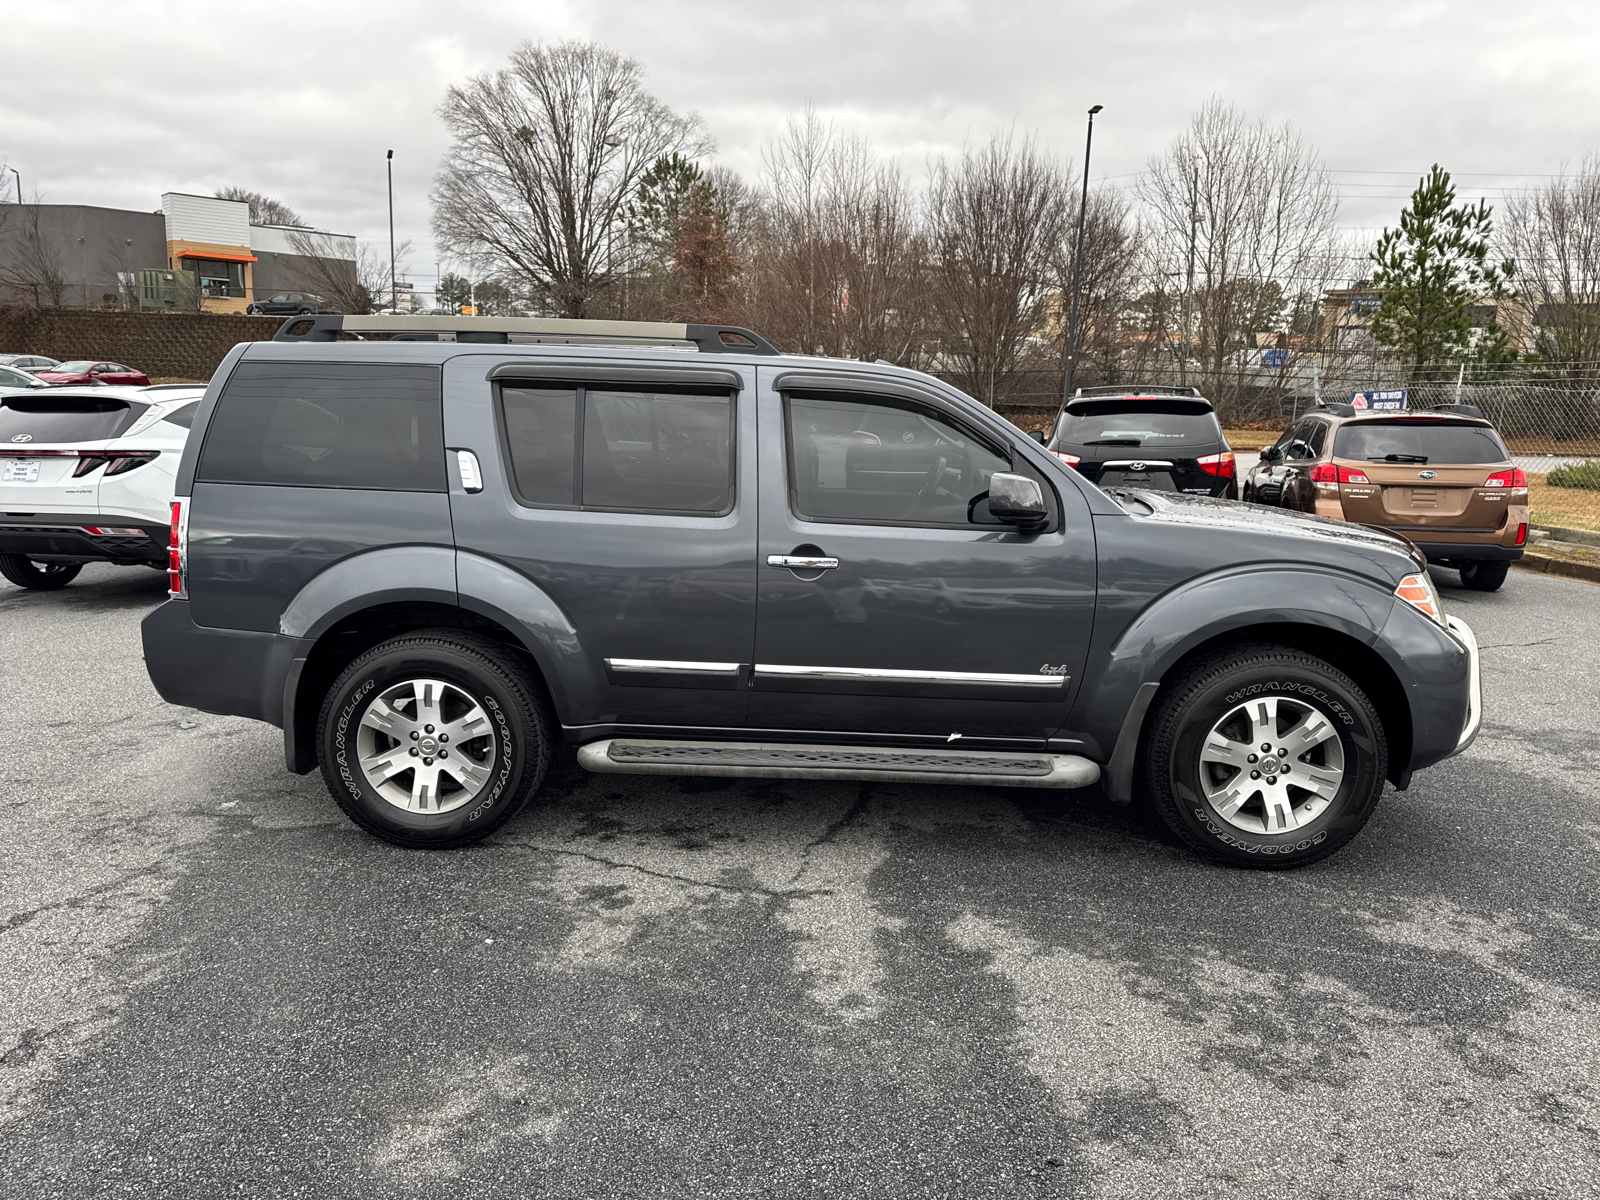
<point x="1394" y="399"/>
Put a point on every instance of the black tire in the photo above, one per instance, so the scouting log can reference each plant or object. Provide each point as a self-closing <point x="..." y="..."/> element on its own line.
<point x="1193" y="704"/>
<point x="39" y="577"/>
<point x="475" y="668"/>
<point x="1484" y="576"/>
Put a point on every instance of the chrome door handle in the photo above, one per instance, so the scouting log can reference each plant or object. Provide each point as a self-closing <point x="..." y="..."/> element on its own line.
<point x="801" y="562"/>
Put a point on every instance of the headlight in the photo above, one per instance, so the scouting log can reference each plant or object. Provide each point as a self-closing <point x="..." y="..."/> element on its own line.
<point x="1418" y="591"/>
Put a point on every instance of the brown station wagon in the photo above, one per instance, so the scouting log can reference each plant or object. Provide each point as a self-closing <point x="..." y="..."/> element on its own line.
<point x="1440" y="477"/>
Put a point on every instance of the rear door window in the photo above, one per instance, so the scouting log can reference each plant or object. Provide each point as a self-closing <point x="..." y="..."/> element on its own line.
<point x="56" y="418"/>
<point x="337" y="425"/>
<point x="1418" y="441"/>
<point x="621" y="450"/>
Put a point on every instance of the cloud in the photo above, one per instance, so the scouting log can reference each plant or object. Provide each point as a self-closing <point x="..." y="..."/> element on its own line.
<point x="300" y="100"/>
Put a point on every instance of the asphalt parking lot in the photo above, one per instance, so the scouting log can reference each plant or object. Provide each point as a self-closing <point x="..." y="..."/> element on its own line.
<point x="215" y="986"/>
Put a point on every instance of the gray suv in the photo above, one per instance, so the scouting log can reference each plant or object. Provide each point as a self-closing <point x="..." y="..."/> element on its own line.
<point x="429" y="548"/>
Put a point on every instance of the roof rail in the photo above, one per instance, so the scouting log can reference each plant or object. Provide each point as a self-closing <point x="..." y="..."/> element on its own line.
<point x="708" y="339"/>
<point x="1139" y="389"/>
<point x="1337" y="408"/>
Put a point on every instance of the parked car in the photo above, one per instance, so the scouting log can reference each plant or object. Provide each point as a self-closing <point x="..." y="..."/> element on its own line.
<point x="12" y="377"/>
<point x="287" y="304"/>
<point x="90" y="371"/>
<point x="1439" y="477"/>
<point x="86" y="476"/>
<point x="1165" y="438"/>
<point x="28" y="362"/>
<point x="426" y="562"/>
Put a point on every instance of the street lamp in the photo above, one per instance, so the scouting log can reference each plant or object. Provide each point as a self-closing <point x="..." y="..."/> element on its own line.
<point x="1077" y="264"/>
<point x="394" y="284"/>
<point x="18" y="174"/>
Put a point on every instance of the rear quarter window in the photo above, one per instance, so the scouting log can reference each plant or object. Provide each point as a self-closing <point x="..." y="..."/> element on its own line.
<point x="340" y="425"/>
<point x="1419" y="441"/>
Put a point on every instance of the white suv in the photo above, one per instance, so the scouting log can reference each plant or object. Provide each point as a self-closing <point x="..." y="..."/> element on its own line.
<point x="86" y="476"/>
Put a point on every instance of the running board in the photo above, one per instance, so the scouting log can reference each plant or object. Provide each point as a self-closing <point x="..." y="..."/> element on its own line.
<point x="782" y="760"/>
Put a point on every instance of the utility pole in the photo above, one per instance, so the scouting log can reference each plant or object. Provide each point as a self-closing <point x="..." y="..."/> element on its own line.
<point x="1077" y="263"/>
<point x="1188" y="287"/>
<point x="394" y="284"/>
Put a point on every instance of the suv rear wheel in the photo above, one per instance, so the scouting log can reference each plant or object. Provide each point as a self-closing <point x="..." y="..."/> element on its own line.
<point x="41" y="577"/>
<point x="1484" y="576"/>
<point x="1264" y="756"/>
<point x="435" y="739"/>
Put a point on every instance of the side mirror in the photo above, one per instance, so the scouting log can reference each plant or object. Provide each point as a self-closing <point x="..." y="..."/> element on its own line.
<point x="1269" y="454"/>
<point x="1016" y="500"/>
<point x="1037" y="435"/>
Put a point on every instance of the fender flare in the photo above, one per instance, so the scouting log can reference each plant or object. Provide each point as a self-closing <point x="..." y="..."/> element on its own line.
<point x="1115" y="699"/>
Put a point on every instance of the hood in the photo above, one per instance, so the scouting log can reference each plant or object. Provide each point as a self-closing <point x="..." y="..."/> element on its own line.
<point x="1209" y="512"/>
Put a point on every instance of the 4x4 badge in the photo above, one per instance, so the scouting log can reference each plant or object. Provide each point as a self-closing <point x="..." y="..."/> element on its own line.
<point x="1427" y="474"/>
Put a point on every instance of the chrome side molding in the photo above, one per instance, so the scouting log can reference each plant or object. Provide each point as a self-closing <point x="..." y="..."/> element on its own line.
<point x="668" y="666"/>
<point x="882" y="675"/>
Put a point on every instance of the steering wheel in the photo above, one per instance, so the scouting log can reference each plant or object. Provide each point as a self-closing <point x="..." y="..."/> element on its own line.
<point x="930" y="482"/>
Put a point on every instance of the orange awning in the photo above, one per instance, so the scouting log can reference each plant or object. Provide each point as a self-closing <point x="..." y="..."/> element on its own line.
<point x="217" y="256"/>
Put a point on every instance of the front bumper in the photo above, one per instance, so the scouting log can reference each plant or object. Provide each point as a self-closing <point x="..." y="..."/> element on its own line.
<point x="1474" y="721"/>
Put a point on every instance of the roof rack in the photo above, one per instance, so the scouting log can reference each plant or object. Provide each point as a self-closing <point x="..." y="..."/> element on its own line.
<point x="708" y="339"/>
<point x="1336" y="407"/>
<point x="1140" y="389"/>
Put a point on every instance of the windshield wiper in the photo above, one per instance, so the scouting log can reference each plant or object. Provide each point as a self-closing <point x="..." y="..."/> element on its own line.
<point x="1400" y="458"/>
<point x="1116" y="442"/>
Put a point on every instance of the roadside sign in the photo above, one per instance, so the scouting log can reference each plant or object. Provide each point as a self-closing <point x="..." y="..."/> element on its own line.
<point x="1394" y="399"/>
<point x="1365" y="305"/>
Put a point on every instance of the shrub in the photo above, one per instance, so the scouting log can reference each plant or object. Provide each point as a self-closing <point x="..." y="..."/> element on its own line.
<point x="1578" y="475"/>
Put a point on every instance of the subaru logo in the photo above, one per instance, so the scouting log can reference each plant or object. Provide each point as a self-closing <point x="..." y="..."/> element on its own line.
<point x="22" y="437"/>
<point x="1427" y="474"/>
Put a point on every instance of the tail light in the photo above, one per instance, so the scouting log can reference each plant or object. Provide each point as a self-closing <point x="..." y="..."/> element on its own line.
<point x="1220" y="465"/>
<point x="1071" y="460"/>
<point x="1418" y="591"/>
<point x="1331" y="473"/>
<point x="178" y="550"/>
<point x="116" y="462"/>
<point x="122" y="531"/>
<point x="1522" y="533"/>
<point x="1514" y="478"/>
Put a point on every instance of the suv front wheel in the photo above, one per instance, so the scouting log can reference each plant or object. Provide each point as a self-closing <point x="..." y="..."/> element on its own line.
<point x="1265" y="756"/>
<point x="435" y="739"/>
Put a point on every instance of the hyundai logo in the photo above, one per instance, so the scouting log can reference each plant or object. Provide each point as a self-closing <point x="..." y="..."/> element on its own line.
<point x="1137" y="466"/>
<point x="22" y="437"/>
<point x="1427" y="474"/>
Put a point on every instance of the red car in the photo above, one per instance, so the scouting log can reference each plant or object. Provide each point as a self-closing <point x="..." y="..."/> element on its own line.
<point x="88" y="371"/>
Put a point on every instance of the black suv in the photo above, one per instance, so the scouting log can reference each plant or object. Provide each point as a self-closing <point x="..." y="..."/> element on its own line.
<point x="1164" y="438"/>
<point x="429" y="558"/>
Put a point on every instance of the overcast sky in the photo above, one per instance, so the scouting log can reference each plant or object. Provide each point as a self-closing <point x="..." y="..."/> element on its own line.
<point x="114" y="103"/>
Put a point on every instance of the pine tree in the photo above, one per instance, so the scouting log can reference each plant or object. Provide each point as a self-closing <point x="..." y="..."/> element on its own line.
<point x="1430" y="271"/>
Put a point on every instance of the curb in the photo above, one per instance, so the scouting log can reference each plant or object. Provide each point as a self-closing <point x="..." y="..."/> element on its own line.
<point x="1589" y="572"/>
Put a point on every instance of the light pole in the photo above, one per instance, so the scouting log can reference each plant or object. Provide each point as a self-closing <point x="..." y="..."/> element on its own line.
<point x="18" y="174"/>
<point x="394" y="284"/>
<point x="1077" y="263"/>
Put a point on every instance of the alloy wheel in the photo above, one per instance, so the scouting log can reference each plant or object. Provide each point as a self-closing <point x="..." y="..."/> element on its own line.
<point x="426" y="746"/>
<point x="1272" y="765"/>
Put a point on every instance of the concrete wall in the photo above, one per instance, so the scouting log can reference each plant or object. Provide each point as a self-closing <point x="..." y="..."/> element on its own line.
<point x="164" y="345"/>
<point x="89" y="244"/>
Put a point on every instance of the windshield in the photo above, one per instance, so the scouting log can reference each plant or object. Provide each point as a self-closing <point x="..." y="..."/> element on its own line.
<point x="1151" y="424"/>
<point x="73" y="368"/>
<point x="1419" y="441"/>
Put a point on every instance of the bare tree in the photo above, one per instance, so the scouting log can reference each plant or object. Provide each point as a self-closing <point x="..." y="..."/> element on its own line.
<point x="350" y="285"/>
<point x="1109" y="348"/>
<point x="545" y="156"/>
<point x="264" y="210"/>
<point x="997" y="218"/>
<point x="30" y="261"/>
<point x="834" y="256"/>
<point x="1241" y="216"/>
<point x="1553" y="233"/>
